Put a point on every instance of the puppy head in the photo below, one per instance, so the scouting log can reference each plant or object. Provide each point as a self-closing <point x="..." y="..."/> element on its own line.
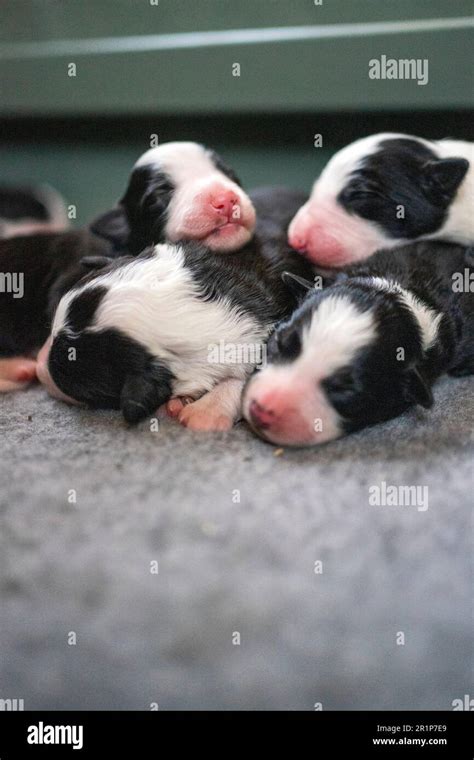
<point x="336" y="367"/>
<point x="88" y="360"/>
<point x="180" y="191"/>
<point x="376" y="192"/>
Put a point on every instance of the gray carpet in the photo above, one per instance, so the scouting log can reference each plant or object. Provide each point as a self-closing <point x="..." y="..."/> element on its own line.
<point x="227" y="567"/>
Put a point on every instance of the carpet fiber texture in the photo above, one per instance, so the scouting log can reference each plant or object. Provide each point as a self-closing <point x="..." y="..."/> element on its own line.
<point x="279" y="584"/>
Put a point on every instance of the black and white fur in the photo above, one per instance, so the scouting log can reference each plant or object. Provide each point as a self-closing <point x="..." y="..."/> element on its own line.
<point x="141" y="328"/>
<point x="383" y="191"/>
<point x="366" y="348"/>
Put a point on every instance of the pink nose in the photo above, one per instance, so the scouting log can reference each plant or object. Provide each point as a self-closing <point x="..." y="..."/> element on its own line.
<point x="298" y="242"/>
<point x="224" y="202"/>
<point x="261" y="416"/>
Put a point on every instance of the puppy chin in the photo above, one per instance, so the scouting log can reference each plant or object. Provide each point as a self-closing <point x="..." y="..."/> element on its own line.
<point x="229" y="238"/>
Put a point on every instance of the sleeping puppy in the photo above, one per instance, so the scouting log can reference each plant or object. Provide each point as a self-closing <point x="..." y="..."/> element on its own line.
<point x="368" y="347"/>
<point x="28" y="211"/>
<point x="383" y="191"/>
<point x="180" y="191"/>
<point x="176" y="321"/>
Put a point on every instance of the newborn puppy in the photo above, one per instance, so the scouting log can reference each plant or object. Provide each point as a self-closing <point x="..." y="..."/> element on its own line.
<point x="28" y="211"/>
<point x="180" y="191"/>
<point x="368" y="347"/>
<point x="35" y="271"/>
<point x="385" y="190"/>
<point x="177" y="321"/>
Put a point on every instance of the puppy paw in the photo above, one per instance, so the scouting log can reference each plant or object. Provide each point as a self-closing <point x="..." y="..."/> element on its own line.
<point x="16" y="374"/>
<point x="175" y="405"/>
<point x="200" y="416"/>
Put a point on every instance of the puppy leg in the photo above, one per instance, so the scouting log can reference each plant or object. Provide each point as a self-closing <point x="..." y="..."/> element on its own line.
<point x="16" y="373"/>
<point x="216" y="410"/>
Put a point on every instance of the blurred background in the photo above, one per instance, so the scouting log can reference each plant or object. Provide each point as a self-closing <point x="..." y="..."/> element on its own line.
<point x="166" y="67"/>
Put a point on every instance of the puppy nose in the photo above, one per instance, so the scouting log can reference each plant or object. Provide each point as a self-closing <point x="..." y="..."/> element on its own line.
<point x="224" y="202"/>
<point x="260" y="415"/>
<point x="298" y="242"/>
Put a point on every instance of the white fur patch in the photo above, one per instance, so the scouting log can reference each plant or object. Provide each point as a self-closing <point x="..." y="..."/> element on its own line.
<point x="182" y="161"/>
<point x="337" y="331"/>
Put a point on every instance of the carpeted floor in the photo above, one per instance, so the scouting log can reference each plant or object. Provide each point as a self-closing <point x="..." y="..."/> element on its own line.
<point x="229" y="567"/>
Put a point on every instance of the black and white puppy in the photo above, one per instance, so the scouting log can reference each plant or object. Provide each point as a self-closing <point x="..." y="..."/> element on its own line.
<point x="31" y="210"/>
<point x="366" y="348"/>
<point x="383" y="191"/>
<point x="180" y="191"/>
<point x="177" y="321"/>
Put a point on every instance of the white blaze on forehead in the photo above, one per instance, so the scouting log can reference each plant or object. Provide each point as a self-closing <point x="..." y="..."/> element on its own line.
<point x="338" y="330"/>
<point x="428" y="319"/>
<point x="182" y="161"/>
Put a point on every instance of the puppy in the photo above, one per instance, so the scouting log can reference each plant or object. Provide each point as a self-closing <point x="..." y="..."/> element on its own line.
<point x="177" y="321"/>
<point x="28" y="211"/>
<point x="368" y="347"/>
<point x="180" y="191"/>
<point x="385" y="190"/>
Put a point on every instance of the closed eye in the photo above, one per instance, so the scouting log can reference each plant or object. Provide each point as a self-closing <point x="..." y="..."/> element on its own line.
<point x="341" y="383"/>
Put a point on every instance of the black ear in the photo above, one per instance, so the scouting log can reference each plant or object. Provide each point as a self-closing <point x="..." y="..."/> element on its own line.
<point x="143" y="393"/>
<point x="113" y="226"/>
<point x="96" y="262"/>
<point x="298" y="285"/>
<point x="416" y="389"/>
<point x="441" y="178"/>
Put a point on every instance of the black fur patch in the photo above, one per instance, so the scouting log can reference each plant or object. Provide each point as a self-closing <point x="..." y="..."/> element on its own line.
<point x="404" y="173"/>
<point x="82" y="309"/>
<point x="109" y="370"/>
<point x="146" y="202"/>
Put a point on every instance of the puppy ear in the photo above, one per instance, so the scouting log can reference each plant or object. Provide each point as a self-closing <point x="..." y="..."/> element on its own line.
<point x="416" y="390"/>
<point x="143" y="393"/>
<point x="113" y="226"/>
<point x="296" y="284"/>
<point x="441" y="178"/>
